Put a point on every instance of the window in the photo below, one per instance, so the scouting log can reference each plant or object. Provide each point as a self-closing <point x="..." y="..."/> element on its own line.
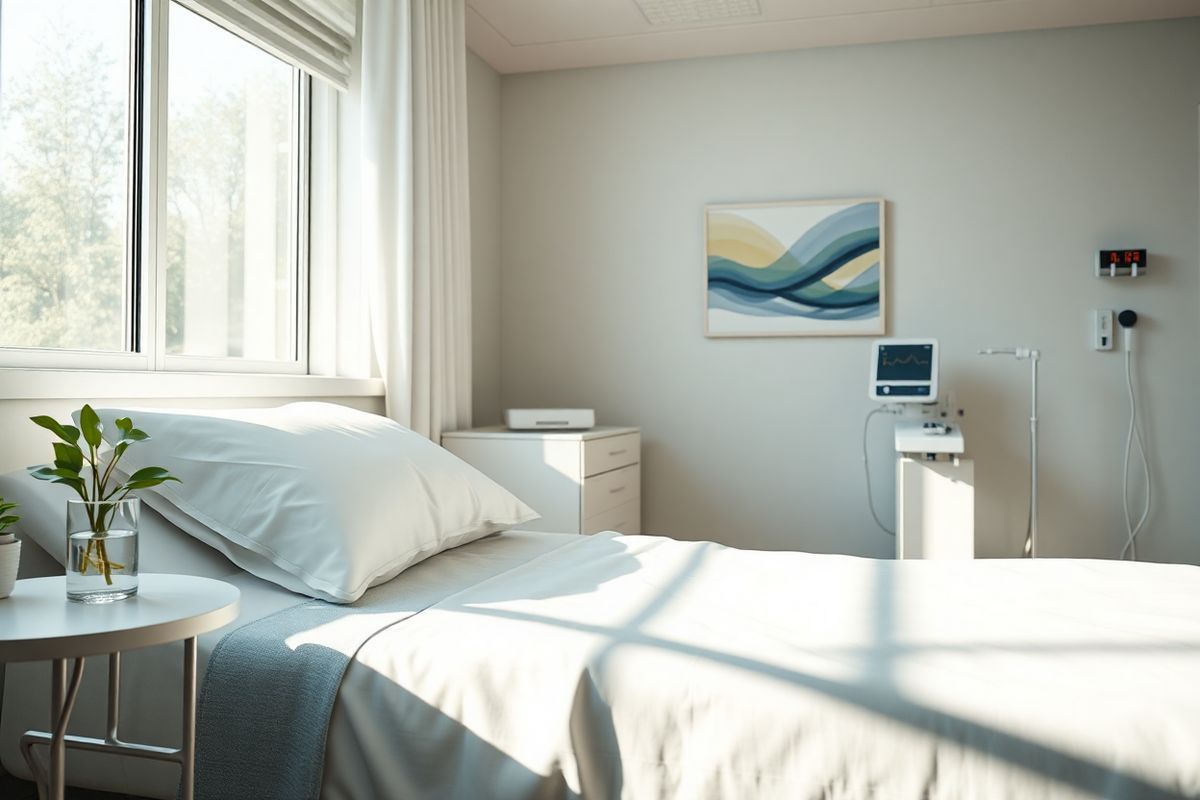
<point x="231" y="184"/>
<point x="153" y="191"/>
<point x="64" y="111"/>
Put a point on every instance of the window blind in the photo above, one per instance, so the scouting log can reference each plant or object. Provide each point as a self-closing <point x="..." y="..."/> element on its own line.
<point x="314" y="35"/>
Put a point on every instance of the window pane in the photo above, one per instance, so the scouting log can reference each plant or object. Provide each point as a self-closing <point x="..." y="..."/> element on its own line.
<point x="231" y="280"/>
<point x="64" y="78"/>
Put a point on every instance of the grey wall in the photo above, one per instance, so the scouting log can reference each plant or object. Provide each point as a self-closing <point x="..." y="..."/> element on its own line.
<point x="483" y="123"/>
<point x="1007" y="162"/>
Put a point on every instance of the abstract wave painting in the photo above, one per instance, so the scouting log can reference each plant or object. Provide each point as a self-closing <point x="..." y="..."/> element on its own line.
<point x="812" y="268"/>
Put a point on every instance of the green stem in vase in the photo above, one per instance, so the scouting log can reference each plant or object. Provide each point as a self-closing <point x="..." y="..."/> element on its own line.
<point x="105" y="565"/>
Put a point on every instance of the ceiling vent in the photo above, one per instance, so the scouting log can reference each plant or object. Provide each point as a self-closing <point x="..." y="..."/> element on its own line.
<point x="679" y="12"/>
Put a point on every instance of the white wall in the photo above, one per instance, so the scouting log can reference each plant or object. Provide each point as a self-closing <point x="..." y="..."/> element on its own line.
<point x="1007" y="162"/>
<point x="483" y="115"/>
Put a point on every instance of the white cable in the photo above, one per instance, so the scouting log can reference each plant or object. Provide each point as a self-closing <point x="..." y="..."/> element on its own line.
<point x="1134" y="434"/>
<point x="867" y="466"/>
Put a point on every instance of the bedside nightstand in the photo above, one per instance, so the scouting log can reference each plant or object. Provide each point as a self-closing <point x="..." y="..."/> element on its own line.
<point x="38" y="623"/>
<point x="579" y="481"/>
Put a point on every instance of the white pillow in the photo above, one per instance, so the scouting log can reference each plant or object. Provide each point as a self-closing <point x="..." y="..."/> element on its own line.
<point x="318" y="498"/>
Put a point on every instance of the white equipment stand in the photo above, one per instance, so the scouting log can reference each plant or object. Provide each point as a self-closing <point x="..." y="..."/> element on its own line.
<point x="38" y="623"/>
<point x="935" y="492"/>
<point x="1033" y="356"/>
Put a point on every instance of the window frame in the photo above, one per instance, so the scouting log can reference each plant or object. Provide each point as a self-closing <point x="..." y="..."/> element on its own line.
<point x="146" y="258"/>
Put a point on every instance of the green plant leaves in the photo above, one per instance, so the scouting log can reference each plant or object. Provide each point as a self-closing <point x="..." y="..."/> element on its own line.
<point x="70" y="459"/>
<point x="7" y="519"/>
<point x="130" y="433"/>
<point x="68" y="433"/>
<point x="50" y="473"/>
<point x="89" y="424"/>
<point x="148" y="473"/>
<point x="60" y="475"/>
<point x="148" y="477"/>
<point x="68" y="456"/>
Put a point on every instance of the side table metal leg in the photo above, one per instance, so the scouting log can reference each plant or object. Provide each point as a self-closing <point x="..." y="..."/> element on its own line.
<point x="51" y="779"/>
<point x="187" y="750"/>
<point x="114" y="698"/>
<point x="55" y="772"/>
<point x="62" y="700"/>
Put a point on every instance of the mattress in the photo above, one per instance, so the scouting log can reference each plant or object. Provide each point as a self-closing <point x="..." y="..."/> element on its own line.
<point x="637" y="666"/>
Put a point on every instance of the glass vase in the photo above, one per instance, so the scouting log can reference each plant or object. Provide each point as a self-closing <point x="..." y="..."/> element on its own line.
<point x="102" y="550"/>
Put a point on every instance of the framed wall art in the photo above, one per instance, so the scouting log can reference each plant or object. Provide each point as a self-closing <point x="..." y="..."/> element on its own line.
<point x="802" y="268"/>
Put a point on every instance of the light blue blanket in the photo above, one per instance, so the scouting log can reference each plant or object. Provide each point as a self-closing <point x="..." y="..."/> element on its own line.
<point x="264" y="708"/>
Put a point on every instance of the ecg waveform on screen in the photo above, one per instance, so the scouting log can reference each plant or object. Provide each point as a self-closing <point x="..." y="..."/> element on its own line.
<point x="903" y="361"/>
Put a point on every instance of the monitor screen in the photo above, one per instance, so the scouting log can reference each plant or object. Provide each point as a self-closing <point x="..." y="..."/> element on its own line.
<point x="904" y="362"/>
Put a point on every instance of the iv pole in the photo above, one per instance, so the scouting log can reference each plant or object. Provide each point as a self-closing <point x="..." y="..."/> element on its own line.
<point x="1033" y="355"/>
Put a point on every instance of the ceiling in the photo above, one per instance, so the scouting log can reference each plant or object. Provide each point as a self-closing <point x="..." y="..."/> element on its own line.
<point x="535" y="35"/>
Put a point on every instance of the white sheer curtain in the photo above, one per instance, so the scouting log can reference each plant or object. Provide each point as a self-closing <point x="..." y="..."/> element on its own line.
<point x="414" y="208"/>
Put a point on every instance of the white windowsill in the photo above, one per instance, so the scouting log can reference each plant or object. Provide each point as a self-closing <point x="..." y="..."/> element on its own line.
<point x="39" y="384"/>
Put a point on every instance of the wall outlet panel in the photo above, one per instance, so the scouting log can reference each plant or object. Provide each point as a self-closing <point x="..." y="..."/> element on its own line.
<point x="1102" y="329"/>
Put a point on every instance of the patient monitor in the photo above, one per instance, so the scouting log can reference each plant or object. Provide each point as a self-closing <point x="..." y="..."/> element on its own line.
<point x="904" y="370"/>
<point x="935" y="481"/>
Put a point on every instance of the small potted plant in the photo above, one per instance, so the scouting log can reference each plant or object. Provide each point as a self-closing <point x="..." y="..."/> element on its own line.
<point x="10" y="549"/>
<point x="102" y="525"/>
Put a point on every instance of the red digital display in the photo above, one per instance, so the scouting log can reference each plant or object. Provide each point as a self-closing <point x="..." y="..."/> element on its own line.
<point x="1127" y="257"/>
<point x="1123" y="258"/>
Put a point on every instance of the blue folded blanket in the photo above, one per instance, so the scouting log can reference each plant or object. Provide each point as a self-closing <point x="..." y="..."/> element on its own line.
<point x="264" y="708"/>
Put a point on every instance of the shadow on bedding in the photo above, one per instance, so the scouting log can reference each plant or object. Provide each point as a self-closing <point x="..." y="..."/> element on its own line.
<point x="417" y="749"/>
<point x="424" y="753"/>
<point x="875" y="693"/>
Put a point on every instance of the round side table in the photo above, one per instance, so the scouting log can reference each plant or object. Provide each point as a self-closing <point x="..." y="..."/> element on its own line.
<point x="38" y="623"/>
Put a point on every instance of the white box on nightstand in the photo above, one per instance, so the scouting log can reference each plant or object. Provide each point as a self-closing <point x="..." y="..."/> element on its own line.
<point x="579" y="481"/>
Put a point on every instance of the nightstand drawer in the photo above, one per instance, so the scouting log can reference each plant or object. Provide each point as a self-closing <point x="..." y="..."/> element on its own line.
<point x="571" y="478"/>
<point x="611" y="452"/>
<point x="602" y="492"/>
<point x="625" y="518"/>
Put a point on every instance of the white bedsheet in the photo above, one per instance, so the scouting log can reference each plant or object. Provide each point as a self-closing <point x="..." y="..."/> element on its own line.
<point x="644" y="667"/>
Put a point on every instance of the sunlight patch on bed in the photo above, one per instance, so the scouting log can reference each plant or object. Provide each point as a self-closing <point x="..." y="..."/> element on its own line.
<point x="346" y="634"/>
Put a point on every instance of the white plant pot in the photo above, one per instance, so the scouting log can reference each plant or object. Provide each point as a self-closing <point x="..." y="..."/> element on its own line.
<point x="10" y="559"/>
